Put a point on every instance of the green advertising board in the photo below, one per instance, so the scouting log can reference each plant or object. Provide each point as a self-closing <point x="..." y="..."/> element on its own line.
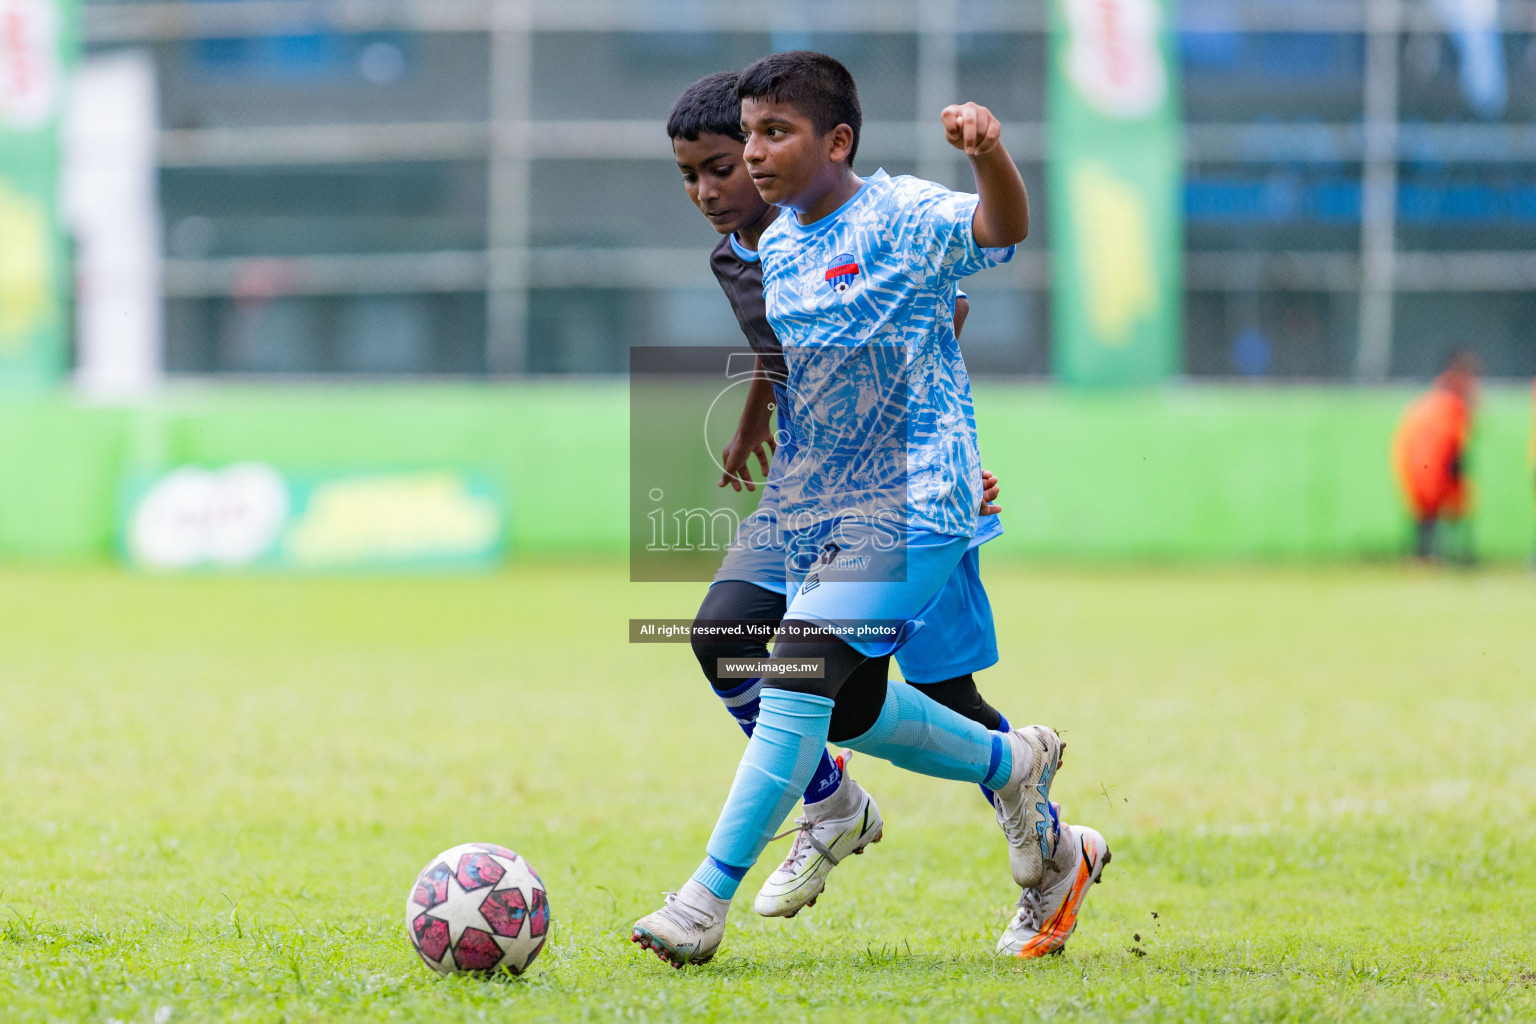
<point x="1114" y="172"/>
<point x="36" y="50"/>
<point x="254" y="516"/>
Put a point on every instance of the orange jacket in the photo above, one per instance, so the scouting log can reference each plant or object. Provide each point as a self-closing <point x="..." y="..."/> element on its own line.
<point x="1429" y="451"/>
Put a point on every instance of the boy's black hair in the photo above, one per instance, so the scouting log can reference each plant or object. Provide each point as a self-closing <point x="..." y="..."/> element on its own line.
<point x="707" y="107"/>
<point x="816" y="85"/>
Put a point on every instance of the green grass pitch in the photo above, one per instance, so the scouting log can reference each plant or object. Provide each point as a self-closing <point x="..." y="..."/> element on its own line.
<point x="1319" y="786"/>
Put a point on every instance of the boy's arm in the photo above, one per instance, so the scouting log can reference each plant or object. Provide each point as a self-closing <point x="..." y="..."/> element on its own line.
<point x="962" y="310"/>
<point x="1002" y="215"/>
<point x="752" y="434"/>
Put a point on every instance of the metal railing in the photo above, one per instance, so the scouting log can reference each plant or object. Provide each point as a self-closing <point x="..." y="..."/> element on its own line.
<point x="511" y="140"/>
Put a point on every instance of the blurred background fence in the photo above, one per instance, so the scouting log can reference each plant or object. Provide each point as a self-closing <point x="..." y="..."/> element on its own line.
<point x="482" y="190"/>
<point x="442" y="186"/>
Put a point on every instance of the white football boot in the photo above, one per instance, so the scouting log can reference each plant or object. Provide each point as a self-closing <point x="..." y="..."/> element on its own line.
<point x="1047" y="914"/>
<point x="1024" y="803"/>
<point x="831" y="829"/>
<point x="688" y="927"/>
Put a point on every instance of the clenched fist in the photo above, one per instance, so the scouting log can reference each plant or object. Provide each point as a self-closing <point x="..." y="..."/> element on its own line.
<point x="971" y="128"/>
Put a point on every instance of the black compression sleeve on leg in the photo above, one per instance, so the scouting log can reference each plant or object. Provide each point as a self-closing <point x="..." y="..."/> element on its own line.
<point x="855" y="684"/>
<point x="733" y="601"/>
<point x="806" y="640"/>
<point x="860" y="700"/>
<point x="960" y="696"/>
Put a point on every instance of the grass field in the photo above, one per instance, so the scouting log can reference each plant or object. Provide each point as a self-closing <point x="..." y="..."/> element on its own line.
<point x="1319" y="786"/>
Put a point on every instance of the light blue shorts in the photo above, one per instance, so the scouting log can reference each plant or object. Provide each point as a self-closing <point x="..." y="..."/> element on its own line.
<point x="881" y="597"/>
<point x="958" y="635"/>
<point x="953" y="636"/>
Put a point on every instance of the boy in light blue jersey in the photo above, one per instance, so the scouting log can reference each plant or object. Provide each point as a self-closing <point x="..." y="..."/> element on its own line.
<point x="859" y="280"/>
<point x="752" y="584"/>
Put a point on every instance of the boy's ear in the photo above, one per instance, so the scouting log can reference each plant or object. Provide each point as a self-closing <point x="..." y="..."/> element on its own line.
<point x="840" y="144"/>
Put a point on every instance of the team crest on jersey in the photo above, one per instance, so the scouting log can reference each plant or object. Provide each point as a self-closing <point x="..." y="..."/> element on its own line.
<point x="843" y="273"/>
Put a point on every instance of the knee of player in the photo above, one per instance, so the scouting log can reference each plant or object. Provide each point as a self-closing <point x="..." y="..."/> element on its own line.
<point x="709" y="651"/>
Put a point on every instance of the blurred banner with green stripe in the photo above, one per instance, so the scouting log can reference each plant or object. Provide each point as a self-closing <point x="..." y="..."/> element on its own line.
<point x="1114" y="174"/>
<point x="36" y="49"/>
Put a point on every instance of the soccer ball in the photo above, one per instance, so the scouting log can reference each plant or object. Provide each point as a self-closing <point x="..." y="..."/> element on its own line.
<point x="476" y="909"/>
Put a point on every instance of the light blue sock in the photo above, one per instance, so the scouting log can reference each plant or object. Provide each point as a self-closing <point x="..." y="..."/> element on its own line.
<point x="787" y="742"/>
<point x="1002" y="726"/>
<point x="914" y="733"/>
<point x="742" y="701"/>
<point x="718" y="877"/>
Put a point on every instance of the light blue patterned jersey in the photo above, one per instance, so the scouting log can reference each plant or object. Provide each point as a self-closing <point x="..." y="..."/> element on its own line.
<point x="863" y="303"/>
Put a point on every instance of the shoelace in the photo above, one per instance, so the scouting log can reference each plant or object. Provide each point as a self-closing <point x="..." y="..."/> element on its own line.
<point x="1032" y="901"/>
<point x="1031" y="909"/>
<point x="1013" y="828"/>
<point x="679" y="911"/>
<point x="804" y="843"/>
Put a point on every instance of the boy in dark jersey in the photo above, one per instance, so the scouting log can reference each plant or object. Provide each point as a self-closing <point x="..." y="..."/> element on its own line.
<point x="750" y="586"/>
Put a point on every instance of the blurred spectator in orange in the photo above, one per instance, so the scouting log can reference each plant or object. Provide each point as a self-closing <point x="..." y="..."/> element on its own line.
<point x="1430" y="454"/>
